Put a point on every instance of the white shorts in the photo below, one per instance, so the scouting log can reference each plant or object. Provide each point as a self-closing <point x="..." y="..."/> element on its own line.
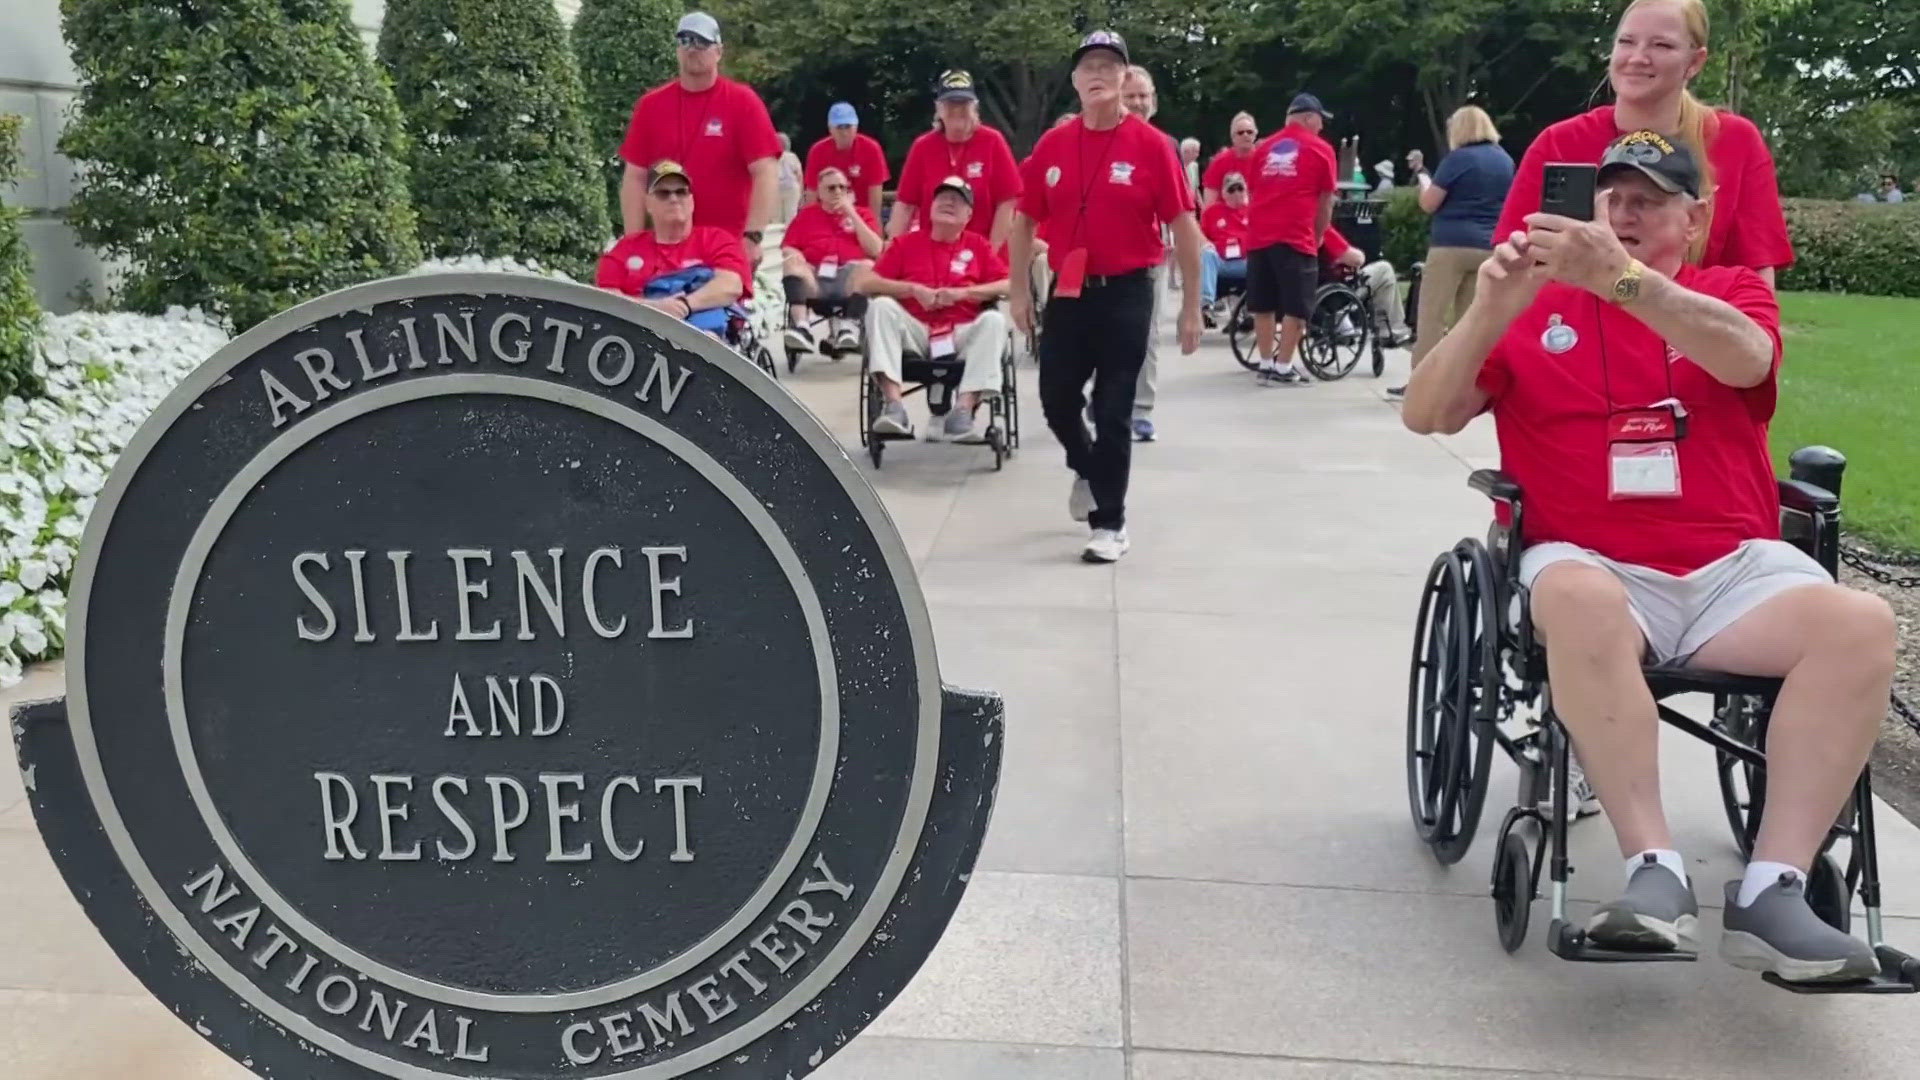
<point x="1680" y="614"/>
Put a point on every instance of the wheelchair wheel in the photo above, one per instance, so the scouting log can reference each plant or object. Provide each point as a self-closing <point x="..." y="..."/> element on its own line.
<point x="871" y="403"/>
<point x="763" y="356"/>
<point x="1449" y="706"/>
<point x="1742" y="787"/>
<point x="1379" y="357"/>
<point x="1336" y="333"/>
<point x="1512" y="890"/>
<point x="1240" y="334"/>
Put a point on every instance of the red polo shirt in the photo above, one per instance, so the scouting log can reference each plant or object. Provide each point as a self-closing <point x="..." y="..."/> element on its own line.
<point x="1106" y="191"/>
<point x="1551" y="409"/>
<point x="1226" y="229"/>
<point x="984" y="161"/>
<point x="1749" y="227"/>
<point x="1224" y="162"/>
<point x="863" y="162"/>
<point x="816" y="234"/>
<point x="638" y="258"/>
<point x="1293" y="168"/>
<point x="967" y="260"/>
<point x="714" y="134"/>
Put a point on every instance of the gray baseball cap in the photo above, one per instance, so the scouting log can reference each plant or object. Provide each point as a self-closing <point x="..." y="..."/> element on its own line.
<point x="700" y="24"/>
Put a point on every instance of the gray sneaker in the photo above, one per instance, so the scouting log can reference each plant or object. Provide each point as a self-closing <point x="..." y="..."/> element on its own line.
<point x="1080" y="502"/>
<point x="960" y="427"/>
<point x="1780" y="933"/>
<point x="893" y="420"/>
<point x="1656" y="913"/>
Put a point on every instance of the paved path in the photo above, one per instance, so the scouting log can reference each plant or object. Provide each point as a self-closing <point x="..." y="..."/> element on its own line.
<point x="1201" y="867"/>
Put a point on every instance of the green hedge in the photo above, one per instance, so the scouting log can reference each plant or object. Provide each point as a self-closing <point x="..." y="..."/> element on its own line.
<point x="625" y="48"/>
<point x="1872" y="249"/>
<point x="499" y="156"/>
<point x="242" y="156"/>
<point x="1403" y="229"/>
<point x="19" y="308"/>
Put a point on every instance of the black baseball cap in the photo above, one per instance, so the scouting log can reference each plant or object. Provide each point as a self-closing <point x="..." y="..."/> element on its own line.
<point x="1308" y="103"/>
<point x="957" y="186"/>
<point x="955" y="85"/>
<point x="1103" y="39"/>
<point x="1668" y="164"/>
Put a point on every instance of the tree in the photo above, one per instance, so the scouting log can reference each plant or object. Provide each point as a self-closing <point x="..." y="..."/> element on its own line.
<point x="19" y="309"/>
<point x="241" y="155"/>
<point x="624" y="49"/>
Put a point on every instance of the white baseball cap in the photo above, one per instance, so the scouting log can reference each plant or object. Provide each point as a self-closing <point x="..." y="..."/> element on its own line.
<point x="700" y="23"/>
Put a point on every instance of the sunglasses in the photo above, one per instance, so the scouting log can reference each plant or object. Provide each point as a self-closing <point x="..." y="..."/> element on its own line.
<point x="693" y="41"/>
<point x="672" y="192"/>
<point x="1243" y="131"/>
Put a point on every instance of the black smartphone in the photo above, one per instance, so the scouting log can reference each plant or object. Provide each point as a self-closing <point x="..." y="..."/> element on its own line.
<point x="1568" y="190"/>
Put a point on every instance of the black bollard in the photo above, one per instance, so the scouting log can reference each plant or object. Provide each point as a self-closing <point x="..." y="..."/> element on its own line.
<point x="1820" y="466"/>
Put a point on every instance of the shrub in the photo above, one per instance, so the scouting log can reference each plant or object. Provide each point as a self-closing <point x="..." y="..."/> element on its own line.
<point x="1404" y="228"/>
<point x="499" y="155"/>
<point x="1867" y="248"/>
<point x="19" y="308"/>
<point x="241" y="155"/>
<point x="625" y="49"/>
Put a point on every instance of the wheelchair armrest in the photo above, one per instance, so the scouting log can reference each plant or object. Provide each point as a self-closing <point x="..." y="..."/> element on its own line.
<point x="1495" y="485"/>
<point x="1806" y="498"/>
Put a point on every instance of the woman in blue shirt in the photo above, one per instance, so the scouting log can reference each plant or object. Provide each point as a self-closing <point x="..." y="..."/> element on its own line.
<point x="1468" y="190"/>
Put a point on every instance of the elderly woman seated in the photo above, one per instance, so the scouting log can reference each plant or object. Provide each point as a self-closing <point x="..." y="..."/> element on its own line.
<point x="691" y="272"/>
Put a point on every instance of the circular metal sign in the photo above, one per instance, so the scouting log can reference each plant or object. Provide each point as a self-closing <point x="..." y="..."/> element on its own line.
<point x="480" y="676"/>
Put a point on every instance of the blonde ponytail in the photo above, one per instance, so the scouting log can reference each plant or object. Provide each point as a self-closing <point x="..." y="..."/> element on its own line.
<point x="1698" y="126"/>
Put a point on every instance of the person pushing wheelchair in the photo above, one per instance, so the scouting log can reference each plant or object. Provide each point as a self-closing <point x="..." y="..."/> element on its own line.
<point x="1631" y="393"/>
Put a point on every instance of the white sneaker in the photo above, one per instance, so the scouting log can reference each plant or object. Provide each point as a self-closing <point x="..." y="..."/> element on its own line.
<point x="1080" y="502"/>
<point x="1105" y="546"/>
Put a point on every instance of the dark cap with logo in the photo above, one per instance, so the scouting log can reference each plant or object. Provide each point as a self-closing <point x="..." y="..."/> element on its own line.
<point x="1668" y="164"/>
<point x="957" y="186"/>
<point x="669" y="170"/>
<point x="1306" y="103"/>
<point x="1103" y="39"/>
<point x="955" y="85"/>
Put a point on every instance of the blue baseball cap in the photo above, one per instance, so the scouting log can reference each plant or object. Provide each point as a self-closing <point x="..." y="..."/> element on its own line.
<point x="1305" y="103"/>
<point x="842" y="115"/>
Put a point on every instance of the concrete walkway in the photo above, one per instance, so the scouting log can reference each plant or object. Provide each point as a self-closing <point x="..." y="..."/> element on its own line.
<point x="1202" y="866"/>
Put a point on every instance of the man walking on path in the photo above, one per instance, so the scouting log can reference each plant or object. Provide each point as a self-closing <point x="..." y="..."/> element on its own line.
<point x="1140" y="100"/>
<point x="1102" y="186"/>
<point x="1292" y="184"/>
<point x="718" y="130"/>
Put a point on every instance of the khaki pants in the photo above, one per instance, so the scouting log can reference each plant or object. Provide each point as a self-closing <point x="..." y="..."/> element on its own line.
<point x="1446" y="290"/>
<point x="891" y="332"/>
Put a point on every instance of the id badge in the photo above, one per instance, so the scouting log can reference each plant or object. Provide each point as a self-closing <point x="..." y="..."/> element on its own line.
<point x="828" y="269"/>
<point x="1233" y="249"/>
<point x="940" y="345"/>
<point x="1072" y="273"/>
<point x="1649" y="470"/>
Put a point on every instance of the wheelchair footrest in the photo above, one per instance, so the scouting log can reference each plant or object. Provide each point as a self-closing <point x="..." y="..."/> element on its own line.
<point x="1569" y="942"/>
<point x="1899" y="974"/>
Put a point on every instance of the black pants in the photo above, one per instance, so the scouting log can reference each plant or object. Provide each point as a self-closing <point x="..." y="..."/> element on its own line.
<point x="1102" y="335"/>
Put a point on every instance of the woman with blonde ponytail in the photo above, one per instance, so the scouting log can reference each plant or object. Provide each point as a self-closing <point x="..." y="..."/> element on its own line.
<point x="1658" y="49"/>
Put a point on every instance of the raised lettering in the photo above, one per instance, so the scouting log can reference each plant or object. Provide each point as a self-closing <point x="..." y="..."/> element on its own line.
<point x="407" y="632"/>
<point x="827" y="882"/>
<point x="455" y="817"/>
<point x="679" y="784"/>
<point x="462" y="1051"/>
<point x="573" y="1053"/>
<point x="710" y="997"/>
<point x="558" y="813"/>
<point x="414" y="360"/>
<point x="428" y="1026"/>
<point x="557" y="364"/>
<point x="657" y="376"/>
<point x="279" y="397"/>
<point x="390" y="813"/>
<point x="606" y="819"/>
<point x="801" y="916"/>
<point x="336" y="827"/>
<point x="501" y="825"/>
<point x="362" y="632"/>
<point x="541" y="686"/>
<point x="619" y="1029"/>
<point x="600" y="349"/>
<point x="218" y="891"/>
<point x="318" y="364"/>
<point x="318" y="601"/>
<point x="238" y="925"/>
<point x="501" y="703"/>
<point x="662" y="1025"/>
<point x="659" y="586"/>
<point x="389" y="1017"/>
<point x="549" y="594"/>
<point x="586" y="592"/>
<point x="526" y="343"/>
<point x="460" y="709"/>
<point x="367" y="371"/>
<point x="278" y="944"/>
<point x="768" y="943"/>
<point x="737" y="967"/>
<point x="464" y="587"/>
<point x="346" y="1004"/>
<point x="307" y="964"/>
<point x="443" y="329"/>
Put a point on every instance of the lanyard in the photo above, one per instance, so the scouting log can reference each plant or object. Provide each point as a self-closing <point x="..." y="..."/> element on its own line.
<point x="1087" y="179"/>
<point x="687" y="138"/>
<point x="1606" y="374"/>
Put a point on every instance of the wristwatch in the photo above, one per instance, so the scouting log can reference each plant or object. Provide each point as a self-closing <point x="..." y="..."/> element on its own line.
<point x="1627" y="288"/>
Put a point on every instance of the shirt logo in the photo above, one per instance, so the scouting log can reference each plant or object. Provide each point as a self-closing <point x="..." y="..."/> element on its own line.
<point x="965" y="256"/>
<point x="957" y="266"/>
<point x="1122" y="173"/>
<point x="854" y="171"/>
<point x="1053" y="175"/>
<point x="713" y="127"/>
<point x="973" y="170"/>
<point x="1558" y="337"/>
<point x="635" y="262"/>
<point x="846" y="224"/>
<point x="1283" y="159"/>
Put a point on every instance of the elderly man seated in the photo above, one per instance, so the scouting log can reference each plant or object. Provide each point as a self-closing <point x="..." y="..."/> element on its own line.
<point x="927" y="290"/>
<point x="1631" y="392"/>
<point x="1336" y="252"/>
<point x="1225" y="257"/>
<point x="828" y="240"/>
<point x="692" y="272"/>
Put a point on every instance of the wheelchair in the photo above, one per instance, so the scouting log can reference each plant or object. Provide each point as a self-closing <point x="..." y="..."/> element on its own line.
<point x="939" y="380"/>
<point x="822" y="311"/>
<point x="1479" y="680"/>
<point x="743" y="337"/>
<point x="1345" y="325"/>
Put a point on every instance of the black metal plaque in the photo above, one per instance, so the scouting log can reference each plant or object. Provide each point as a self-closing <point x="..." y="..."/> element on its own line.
<point x="479" y="676"/>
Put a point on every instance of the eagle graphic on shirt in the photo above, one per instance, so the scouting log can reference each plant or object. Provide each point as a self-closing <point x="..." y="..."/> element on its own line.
<point x="1282" y="160"/>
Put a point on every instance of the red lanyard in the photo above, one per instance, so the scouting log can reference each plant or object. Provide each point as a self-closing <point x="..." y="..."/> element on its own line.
<point x="687" y="138"/>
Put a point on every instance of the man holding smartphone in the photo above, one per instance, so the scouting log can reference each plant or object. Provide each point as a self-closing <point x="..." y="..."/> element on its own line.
<point x="1631" y="392"/>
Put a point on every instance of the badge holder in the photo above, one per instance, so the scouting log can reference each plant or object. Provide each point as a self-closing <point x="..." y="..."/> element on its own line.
<point x="1233" y="249"/>
<point x="940" y="345"/>
<point x="829" y="269"/>
<point x="1072" y="274"/>
<point x="1643" y="451"/>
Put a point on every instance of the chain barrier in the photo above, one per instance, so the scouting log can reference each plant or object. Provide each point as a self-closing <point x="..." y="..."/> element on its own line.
<point x="1876" y="566"/>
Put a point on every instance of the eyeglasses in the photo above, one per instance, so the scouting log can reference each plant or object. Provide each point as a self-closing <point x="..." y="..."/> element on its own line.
<point x="672" y="192"/>
<point x="693" y="41"/>
<point x="836" y="187"/>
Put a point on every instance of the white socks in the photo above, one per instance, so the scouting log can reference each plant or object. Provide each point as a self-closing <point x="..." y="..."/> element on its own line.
<point x="1760" y="875"/>
<point x="1669" y="859"/>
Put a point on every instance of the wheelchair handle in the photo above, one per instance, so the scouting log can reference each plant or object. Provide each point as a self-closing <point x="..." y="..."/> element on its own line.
<point x="1820" y="466"/>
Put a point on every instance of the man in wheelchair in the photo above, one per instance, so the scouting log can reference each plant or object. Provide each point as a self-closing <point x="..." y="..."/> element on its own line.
<point x="826" y="241"/>
<point x="1224" y="224"/>
<point x="693" y="272"/>
<point x="1631" y="393"/>
<point x="1340" y="259"/>
<point x="927" y="291"/>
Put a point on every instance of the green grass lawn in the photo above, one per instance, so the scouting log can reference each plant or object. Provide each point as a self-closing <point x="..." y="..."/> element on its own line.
<point x="1851" y="380"/>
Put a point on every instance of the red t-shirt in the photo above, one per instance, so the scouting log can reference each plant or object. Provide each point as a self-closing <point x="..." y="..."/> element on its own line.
<point x="1333" y="244"/>
<point x="1551" y="414"/>
<point x="966" y="260"/>
<point x="863" y="162"/>
<point x="1224" y="162"/>
<point x="816" y="234"/>
<point x="638" y="258"/>
<point x="1106" y="191"/>
<point x="714" y="134"/>
<point x="1749" y="227"/>
<point x="984" y="161"/>
<point x="1226" y="229"/>
<point x="1294" y="168"/>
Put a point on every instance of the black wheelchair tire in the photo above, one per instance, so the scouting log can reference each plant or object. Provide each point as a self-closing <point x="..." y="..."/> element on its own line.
<point x="1438" y="736"/>
<point x="1379" y="358"/>
<point x="1240" y="334"/>
<point x="1828" y="895"/>
<point x="1512" y="890"/>
<point x="1742" y="787"/>
<point x="1321" y="349"/>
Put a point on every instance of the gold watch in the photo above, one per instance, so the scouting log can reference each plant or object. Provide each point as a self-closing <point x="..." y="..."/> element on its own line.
<point x="1627" y="288"/>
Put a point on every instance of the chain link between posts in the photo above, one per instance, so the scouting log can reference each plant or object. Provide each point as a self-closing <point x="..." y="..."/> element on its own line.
<point x="1884" y="569"/>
